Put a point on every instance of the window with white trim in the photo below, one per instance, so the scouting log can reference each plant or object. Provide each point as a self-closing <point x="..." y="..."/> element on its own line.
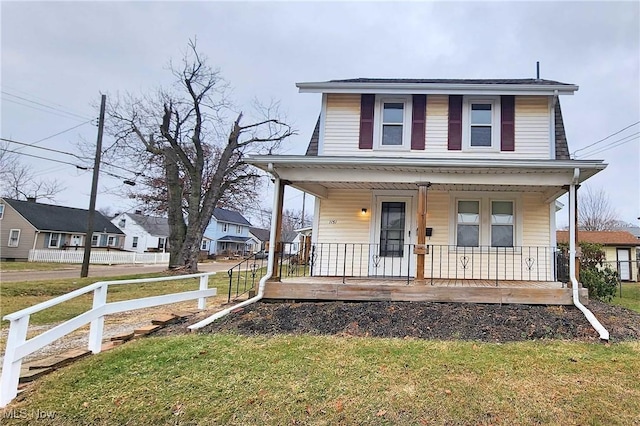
<point x="238" y="229"/>
<point x="502" y="224"/>
<point x="111" y="241"/>
<point x="392" y="122"/>
<point x="54" y="240"/>
<point x="1" y="210"/>
<point x="134" y="243"/>
<point x="161" y="242"/>
<point x="14" y="238"/>
<point x="468" y="223"/>
<point x="481" y="123"/>
<point x="94" y="240"/>
<point x="485" y="222"/>
<point x="225" y="227"/>
<point x="204" y="245"/>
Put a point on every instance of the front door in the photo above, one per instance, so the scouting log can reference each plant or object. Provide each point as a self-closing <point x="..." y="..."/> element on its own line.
<point x="391" y="251"/>
<point x="624" y="264"/>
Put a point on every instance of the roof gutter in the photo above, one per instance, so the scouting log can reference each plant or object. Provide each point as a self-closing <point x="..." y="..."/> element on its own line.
<point x="604" y="333"/>
<point x="435" y="88"/>
<point x="263" y="280"/>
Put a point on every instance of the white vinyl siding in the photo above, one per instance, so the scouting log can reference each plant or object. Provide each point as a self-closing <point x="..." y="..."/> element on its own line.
<point x="342" y="128"/>
<point x="535" y="221"/>
<point x="341" y="219"/>
<point x="531" y="121"/>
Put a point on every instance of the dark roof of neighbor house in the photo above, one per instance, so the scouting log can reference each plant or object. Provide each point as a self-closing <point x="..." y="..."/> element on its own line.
<point x="562" y="147"/>
<point x="288" y="236"/>
<point x="156" y="226"/>
<point x="634" y="230"/>
<point x="261" y="234"/>
<point x="607" y="238"/>
<point x="224" y="215"/>
<point x="48" y="217"/>
<point x="541" y="82"/>
<point x="233" y="239"/>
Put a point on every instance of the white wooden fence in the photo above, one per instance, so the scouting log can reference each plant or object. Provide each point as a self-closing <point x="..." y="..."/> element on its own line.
<point x="100" y="257"/>
<point x="19" y="347"/>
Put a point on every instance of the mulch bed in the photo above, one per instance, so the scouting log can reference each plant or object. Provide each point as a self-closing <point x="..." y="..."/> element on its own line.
<point x="427" y="320"/>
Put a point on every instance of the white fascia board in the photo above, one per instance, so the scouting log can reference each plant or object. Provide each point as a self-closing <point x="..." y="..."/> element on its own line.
<point x="357" y="162"/>
<point x="437" y="88"/>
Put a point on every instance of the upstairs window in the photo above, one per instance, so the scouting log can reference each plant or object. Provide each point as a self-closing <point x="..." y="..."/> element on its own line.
<point x="238" y="229"/>
<point x="392" y="122"/>
<point x="1" y="210"/>
<point x="481" y="123"/>
<point x="225" y="227"/>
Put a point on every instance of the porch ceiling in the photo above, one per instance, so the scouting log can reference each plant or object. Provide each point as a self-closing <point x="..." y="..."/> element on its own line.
<point x="318" y="174"/>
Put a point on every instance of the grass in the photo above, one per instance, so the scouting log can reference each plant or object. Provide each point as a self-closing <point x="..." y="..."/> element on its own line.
<point x="228" y="379"/>
<point x="630" y="296"/>
<point x="35" y="266"/>
<point x="19" y="295"/>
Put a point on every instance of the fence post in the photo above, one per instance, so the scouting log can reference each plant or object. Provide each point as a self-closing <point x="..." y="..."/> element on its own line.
<point x="11" y="366"/>
<point x="97" y="325"/>
<point x="204" y="285"/>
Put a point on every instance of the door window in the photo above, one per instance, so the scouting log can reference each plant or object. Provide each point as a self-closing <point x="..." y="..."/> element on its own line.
<point x="392" y="224"/>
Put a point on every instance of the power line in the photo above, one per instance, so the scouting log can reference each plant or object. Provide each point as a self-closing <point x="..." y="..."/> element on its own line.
<point x="43" y="148"/>
<point x="604" y="139"/>
<point x="35" y="97"/>
<point x="614" y="144"/>
<point x="64" y="131"/>
<point x="48" y="159"/>
<point x="44" y="110"/>
<point x="45" y="105"/>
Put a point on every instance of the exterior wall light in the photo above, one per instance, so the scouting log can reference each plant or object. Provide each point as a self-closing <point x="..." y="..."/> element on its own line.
<point x="364" y="211"/>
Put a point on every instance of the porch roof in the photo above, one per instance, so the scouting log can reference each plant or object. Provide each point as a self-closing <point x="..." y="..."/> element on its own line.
<point x="317" y="174"/>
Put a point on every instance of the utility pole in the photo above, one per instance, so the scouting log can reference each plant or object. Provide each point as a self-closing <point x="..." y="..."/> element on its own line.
<point x="304" y="195"/>
<point x="94" y="191"/>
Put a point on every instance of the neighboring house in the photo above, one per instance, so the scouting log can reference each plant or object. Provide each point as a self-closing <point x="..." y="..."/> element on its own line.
<point x="291" y="242"/>
<point x="620" y="249"/>
<point x="259" y="237"/>
<point x="451" y="183"/>
<point x="229" y="233"/>
<point x="29" y="225"/>
<point x="143" y="233"/>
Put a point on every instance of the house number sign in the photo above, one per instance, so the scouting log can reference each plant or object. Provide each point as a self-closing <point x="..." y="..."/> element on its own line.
<point x="333" y="222"/>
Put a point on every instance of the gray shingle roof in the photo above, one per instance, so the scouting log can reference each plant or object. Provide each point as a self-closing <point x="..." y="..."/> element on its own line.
<point x="156" y="226"/>
<point x="312" y="149"/>
<point x="47" y="217"/>
<point x="224" y="215"/>
<point x="288" y="236"/>
<point x="488" y="81"/>
<point x="261" y="234"/>
<point x="234" y="239"/>
<point x="562" y="147"/>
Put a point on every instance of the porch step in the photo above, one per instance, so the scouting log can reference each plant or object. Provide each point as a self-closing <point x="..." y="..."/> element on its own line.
<point x="58" y="361"/>
<point x="146" y="330"/>
<point x="29" y="375"/>
<point x="165" y="319"/>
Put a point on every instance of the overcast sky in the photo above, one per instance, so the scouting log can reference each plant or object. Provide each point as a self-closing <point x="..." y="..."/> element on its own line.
<point x="61" y="56"/>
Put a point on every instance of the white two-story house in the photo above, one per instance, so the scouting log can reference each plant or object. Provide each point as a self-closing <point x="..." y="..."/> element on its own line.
<point x="423" y="186"/>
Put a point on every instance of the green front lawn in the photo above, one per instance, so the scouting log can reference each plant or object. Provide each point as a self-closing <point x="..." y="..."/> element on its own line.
<point x="630" y="296"/>
<point x="35" y="266"/>
<point x="228" y="379"/>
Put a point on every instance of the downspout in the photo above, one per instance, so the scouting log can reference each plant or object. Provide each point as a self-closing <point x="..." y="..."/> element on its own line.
<point x="263" y="280"/>
<point x="604" y="334"/>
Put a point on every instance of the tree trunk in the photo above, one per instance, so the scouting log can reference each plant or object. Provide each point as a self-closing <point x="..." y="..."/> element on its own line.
<point x="177" y="226"/>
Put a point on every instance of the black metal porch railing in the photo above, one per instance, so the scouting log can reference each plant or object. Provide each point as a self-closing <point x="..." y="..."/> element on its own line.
<point x="244" y="275"/>
<point x="442" y="262"/>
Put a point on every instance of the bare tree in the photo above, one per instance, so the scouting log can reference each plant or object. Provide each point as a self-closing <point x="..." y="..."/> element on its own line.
<point x="18" y="181"/>
<point x="190" y="152"/>
<point x="595" y="212"/>
<point x="291" y="219"/>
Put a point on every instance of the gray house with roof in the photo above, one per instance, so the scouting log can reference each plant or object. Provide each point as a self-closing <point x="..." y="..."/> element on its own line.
<point x="144" y="234"/>
<point x="229" y="233"/>
<point x="29" y="225"/>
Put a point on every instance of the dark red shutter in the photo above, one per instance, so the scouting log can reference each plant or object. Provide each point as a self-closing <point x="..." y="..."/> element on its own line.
<point x="366" y="121"/>
<point x="455" y="122"/>
<point x="507" y="129"/>
<point x="418" y="121"/>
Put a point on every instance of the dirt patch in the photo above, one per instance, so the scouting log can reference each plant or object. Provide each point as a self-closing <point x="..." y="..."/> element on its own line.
<point x="427" y="320"/>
